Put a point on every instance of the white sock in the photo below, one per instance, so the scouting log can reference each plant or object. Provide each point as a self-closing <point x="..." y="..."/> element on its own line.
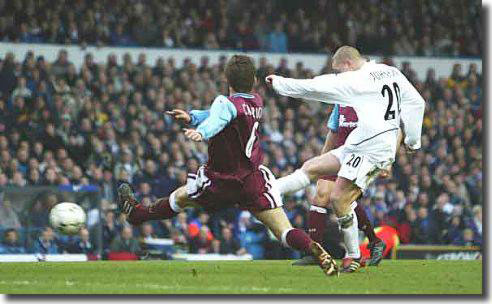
<point x="351" y="239"/>
<point x="173" y="203"/>
<point x="283" y="238"/>
<point x="317" y="209"/>
<point x="353" y="205"/>
<point x="293" y="182"/>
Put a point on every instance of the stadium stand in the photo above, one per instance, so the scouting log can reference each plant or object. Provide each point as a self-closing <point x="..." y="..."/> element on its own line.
<point x="376" y="26"/>
<point x="61" y="126"/>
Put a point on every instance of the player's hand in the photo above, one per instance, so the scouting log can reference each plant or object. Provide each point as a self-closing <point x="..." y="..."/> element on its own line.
<point x="269" y="79"/>
<point x="193" y="135"/>
<point x="180" y="115"/>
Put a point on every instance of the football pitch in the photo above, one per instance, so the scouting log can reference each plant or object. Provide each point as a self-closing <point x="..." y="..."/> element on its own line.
<point x="245" y="277"/>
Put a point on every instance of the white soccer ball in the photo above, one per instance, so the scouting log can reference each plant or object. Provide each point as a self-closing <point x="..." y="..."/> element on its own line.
<point x="67" y="218"/>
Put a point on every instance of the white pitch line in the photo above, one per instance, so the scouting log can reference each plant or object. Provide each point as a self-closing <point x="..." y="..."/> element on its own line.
<point x="164" y="287"/>
<point x="17" y="282"/>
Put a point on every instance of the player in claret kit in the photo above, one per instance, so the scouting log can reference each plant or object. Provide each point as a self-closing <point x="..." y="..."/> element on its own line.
<point x="233" y="175"/>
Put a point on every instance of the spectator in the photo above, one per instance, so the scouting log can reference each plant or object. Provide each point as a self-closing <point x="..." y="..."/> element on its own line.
<point x="83" y="244"/>
<point x="408" y="231"/>
<point x="126" y="164"/>
<point x="309" y="26"/>
<point x="180" y="233"/>
<point x="11" y="244"/>
<point x="39" y="211"/>
<point x="475" y="223"/>
<point x="278" y="39"/>
<point x="201" y="243"/>
<point x="426" y="228"/>
<point x="251" y="236"/>
<point x="215" y="247"/>
<point x="21" y="90"/>
<point x="110" y="229"/>
<point x="8" y="216"/>
<point x="467" y="238"/>
<point x="46" y="244"/>
<point x="195" y="226"/>
<point x="454" y="231"/>
<point x="228" y="245"/>
<point x="125" y="242"/>
<point x="146" y="233"/>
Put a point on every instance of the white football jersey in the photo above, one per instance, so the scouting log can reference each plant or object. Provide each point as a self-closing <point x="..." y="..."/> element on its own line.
<point x="381" y="95"/>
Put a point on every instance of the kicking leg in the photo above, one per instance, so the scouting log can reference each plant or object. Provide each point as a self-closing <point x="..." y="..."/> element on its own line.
<point x="325" y="164"/>
<point x="276" y="220"/>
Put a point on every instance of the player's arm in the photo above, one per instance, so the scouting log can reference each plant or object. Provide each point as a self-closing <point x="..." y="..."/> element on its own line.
<point x="399" y="139"/>
<point x="385" y="173"/>
<point x="412" y="115"/>
<point x="221" y="113"/>
<point x="331" y="138"/>
<point x="193" y="118"/>
<point x="329" y="88"/>
<point x="198" y="116"/>
<point x="329" y="141"/>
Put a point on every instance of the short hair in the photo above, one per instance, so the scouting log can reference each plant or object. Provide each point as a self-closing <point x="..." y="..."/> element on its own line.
<point x="346" y="53"/>
<point x="240" y="73"/>
<point x="9" y="230"/>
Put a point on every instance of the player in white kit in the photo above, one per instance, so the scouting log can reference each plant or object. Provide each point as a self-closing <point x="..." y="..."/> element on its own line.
<point x="384" y="101"/>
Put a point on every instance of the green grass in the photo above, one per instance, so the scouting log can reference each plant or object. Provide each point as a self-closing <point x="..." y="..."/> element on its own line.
<point x="252" y="277"/>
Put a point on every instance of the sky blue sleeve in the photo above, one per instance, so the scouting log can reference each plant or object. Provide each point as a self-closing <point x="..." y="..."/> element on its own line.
<point x="333" y="121"/>
<point x="198" y="116"/>
<point x="222" y="112"/>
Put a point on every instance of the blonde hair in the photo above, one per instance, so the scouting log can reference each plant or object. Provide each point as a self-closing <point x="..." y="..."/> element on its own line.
<point x="346" y="53"/>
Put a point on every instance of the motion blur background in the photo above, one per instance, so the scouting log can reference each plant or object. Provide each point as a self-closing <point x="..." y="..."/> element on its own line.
<point x="80" y="111"/>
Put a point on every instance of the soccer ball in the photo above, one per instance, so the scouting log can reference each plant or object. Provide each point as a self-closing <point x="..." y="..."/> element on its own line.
<point x="67" y="218"/>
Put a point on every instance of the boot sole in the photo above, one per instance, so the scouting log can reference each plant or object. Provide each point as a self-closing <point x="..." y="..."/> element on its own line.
<point x="326" y="262"/>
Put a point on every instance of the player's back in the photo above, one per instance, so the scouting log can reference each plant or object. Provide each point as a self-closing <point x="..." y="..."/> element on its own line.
<point x="375" y="92"/>
<point x="236" y="151"/>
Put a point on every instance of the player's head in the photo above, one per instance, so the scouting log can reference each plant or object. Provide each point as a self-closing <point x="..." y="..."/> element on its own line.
<point x="240" y="73"/>
<point x="347" y="58"/>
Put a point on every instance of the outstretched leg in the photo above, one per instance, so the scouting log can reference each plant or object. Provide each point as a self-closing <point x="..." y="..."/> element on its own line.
<point x="163" y="208"/>
<point x="276" y="220"/>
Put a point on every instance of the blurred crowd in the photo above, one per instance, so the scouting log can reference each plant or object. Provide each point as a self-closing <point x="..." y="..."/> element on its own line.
<point x="423" y="27"/>
<point x="60" y="126"/>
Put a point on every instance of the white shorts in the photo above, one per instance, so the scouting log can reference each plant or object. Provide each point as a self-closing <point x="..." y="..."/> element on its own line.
<point x="359" y="167"/>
